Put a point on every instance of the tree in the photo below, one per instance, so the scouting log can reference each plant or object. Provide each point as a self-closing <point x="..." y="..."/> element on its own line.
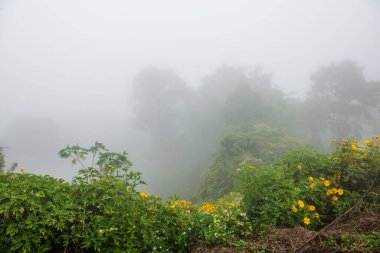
<point x="338" y="100"/>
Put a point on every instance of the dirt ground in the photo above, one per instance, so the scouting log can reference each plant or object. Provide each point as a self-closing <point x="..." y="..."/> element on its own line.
<point x="286" y="240"/>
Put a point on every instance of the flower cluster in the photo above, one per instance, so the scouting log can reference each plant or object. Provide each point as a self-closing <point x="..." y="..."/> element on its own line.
<point x="182" y="204"/>
<point x="308" y="212"/>
<point x="207" y="208"/>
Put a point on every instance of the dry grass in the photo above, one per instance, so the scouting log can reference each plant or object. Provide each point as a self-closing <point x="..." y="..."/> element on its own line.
<point x="286" y="240"/>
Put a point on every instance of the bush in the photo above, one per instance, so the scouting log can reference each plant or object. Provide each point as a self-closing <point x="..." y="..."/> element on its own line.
<point x="267" y="192"/>
<point x="310" y="188"/>
<point x="260" y="144"/>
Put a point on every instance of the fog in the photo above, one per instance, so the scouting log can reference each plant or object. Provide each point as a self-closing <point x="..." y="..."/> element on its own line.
<point x="69" y="69"/>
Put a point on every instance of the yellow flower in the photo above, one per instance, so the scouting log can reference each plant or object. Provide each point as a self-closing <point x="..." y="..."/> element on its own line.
<point x="311" y="208"/>
<point x="207" y="208"/>
<point x="364" y="155"/>
<point x="327" y="183"/>
<point x="357" y="142"/>
<point x="328" y="192"/>
<point x="301" y="204"/>
<point x="294" y="209"/>
<point x="182" y="204"/>
<point x="377" y="137"/>
<point x="334" y="198"/>
<point x="306" y="220"/>
<point x="316" y="215"/>
<point x="322" y="178"/>
<point x="334" y="191"/>
<point x="144" y="194"/>
<point x="22" y="171"/>
<point x="340" y="192"/>
<point x="353" y="147"/>
<point x="368" y="142"/>
<point x="299" y="167"/>
<point x="310" y="178"/>
<point x="312" y="186"/>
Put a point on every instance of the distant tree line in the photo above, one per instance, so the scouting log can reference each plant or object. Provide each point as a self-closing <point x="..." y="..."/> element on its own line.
<point x="185" y="125"/>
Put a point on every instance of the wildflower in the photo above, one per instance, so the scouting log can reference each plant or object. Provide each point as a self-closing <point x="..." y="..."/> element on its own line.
<point x="306" y="220"/>
<point x="316" y="215"/>
<point x="301" y="204"/>
<point x="356" y="142"/>
<point x="353" y="147"/>
<point x="327" y="183"/>
<point x="144" y="194"/>
<point x="294" y="209"/>
<point x="364" y="155"/>
<point x="311" y="208"/>
<point x="322" y="178"/>
<point x="368" y="142"/>
<point x="377" y="137"/>
<point x="299" y="167"/>
<point x="328" y="192"/>
<point x="182" y="204"/>
<point x="334" y="198"/>
<point x="207" y="208"/>
<point x="340" y="192"/>
<point x="22" y="171"/>
<point x="310" y="178"/>
<point x="312" y="186"/>
<point x="334" y="190"/>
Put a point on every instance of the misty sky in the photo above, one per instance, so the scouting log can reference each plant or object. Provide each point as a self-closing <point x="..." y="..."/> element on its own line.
<point x="69" y="64"/>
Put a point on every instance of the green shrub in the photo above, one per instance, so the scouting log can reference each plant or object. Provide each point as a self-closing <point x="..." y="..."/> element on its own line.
<point x="267" y="192"/>
<point x="259" y="144"/>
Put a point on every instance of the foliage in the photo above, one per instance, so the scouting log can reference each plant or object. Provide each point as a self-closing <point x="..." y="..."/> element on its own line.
<point x="101" y="211"/>
<point x="260" y="144"/>
<point x="2" y="160"/>
<point x="109" y="165"/>
<point x="310" y="188"/>
<point x="358" y="163"/>
<point x="266" y="192"/>
<point x="369" y="242"/>
<point x="220" y="222"/>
